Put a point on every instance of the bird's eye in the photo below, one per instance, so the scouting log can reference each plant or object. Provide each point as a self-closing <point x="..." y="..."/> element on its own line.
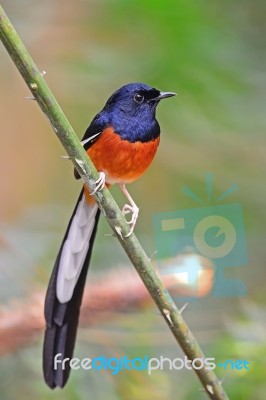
<point x="138" y="98"/>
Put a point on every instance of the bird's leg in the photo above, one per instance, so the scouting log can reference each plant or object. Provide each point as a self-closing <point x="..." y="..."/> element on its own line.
<point x="99" y="184"/>
<point x="130" y="208"/>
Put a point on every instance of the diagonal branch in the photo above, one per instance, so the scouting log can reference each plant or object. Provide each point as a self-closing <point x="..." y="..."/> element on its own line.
<point x="65" y="133"/>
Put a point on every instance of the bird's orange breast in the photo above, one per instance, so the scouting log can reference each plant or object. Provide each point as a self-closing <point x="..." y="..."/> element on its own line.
<point x="121" y="160"/>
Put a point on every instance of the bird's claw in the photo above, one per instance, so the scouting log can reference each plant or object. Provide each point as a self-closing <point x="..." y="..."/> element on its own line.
<point x="99" y="184"/>
<point x="135" y="213"/>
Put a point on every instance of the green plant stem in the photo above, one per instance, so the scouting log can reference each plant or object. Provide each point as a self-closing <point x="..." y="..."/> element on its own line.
<point x="65" y="133"/>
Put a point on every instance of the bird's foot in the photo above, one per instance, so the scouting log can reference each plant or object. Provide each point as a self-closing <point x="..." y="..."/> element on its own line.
<point x="99" y="184"/>
<point x="135" y="213"/>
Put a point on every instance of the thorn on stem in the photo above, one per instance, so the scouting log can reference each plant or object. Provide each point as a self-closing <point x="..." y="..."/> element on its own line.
<point x="168" y="316"/>
<point x="183" y="308"/>
<point x="152" y="255"/>
<point x="210" y="389"/>
<point x="30" y="98"/>
<point x="90" y="139"/>
<point x="221" y="381"/>
<point x="119" y="231"/>
<point x="109" y="234"/>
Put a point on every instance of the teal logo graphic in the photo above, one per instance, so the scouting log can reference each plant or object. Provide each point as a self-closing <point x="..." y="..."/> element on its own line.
<point x="214" y="233"/>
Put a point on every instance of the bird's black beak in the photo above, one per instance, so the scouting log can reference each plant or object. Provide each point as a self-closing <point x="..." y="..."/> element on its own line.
<point x="164" y="95"/>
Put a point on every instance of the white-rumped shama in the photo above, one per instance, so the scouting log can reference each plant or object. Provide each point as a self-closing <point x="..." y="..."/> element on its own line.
<point x="121" y="141"/>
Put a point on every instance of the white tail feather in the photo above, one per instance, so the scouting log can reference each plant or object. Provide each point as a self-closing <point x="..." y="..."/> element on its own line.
<point x="75" y="249"/>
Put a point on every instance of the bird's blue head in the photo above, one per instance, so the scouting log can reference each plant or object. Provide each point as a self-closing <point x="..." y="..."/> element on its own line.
<point x="131" y="111"/>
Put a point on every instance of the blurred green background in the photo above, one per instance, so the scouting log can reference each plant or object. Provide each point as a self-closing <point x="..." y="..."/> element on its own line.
<point x="213" y="55"/>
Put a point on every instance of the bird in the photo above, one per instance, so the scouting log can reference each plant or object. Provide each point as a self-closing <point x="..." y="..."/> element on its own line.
<point x="121" y="141"/>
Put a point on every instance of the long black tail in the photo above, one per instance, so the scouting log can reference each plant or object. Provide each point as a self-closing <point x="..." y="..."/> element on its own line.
<point x="65" y="290"/>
